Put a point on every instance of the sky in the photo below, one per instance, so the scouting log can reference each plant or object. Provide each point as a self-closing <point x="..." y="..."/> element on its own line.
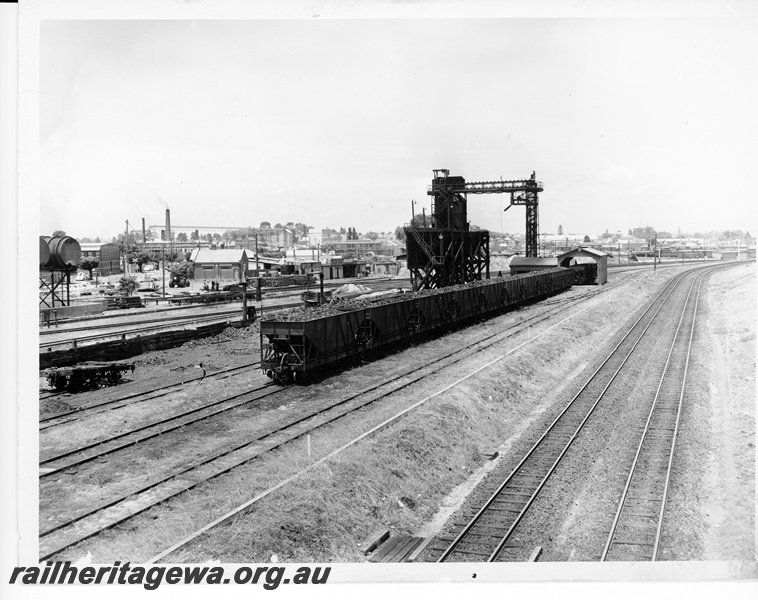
<point x="339" y="122"/>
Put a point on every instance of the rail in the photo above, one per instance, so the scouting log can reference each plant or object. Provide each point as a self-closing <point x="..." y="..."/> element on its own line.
<point x="650" y="482"/>
<point x="511" y="501"/>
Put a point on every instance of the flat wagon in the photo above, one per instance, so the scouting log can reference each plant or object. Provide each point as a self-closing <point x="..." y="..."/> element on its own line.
<point x="87" y="375"/>
<point x="297" y="350"/>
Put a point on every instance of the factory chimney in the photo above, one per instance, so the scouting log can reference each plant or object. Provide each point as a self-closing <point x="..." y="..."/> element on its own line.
<point x="168" y="225"/>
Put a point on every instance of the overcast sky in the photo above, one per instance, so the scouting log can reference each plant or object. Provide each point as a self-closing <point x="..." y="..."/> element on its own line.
<point x="339" y="123"/>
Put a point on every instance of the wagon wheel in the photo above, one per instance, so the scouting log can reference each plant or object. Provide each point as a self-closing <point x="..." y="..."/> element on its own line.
<point x="75" y="381"/>
<point x="57" y="381"/>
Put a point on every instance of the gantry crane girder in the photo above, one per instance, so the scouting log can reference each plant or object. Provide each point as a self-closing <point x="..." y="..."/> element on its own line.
<point x="451" y="195"/>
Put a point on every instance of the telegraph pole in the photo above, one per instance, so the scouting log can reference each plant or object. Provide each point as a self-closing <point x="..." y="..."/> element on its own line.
<point x="126" y="241"/>
<point x="655" y="253"/>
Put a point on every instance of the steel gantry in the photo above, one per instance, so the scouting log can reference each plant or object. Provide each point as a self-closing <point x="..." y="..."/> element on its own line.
<point x="447" y="252"/>
<point x="451" y="191"/>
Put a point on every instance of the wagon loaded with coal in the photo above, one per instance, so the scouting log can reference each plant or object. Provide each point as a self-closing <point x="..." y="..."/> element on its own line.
<point x="299" y="348"/>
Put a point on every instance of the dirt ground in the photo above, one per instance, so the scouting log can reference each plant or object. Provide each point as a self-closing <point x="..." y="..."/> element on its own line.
<point x="713" y="491"/>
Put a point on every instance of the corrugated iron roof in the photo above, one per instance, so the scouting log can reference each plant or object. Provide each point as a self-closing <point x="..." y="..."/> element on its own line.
<point x="533" y="261"/>
<point x="585" y="251"/>
<point x="207" y="255"/>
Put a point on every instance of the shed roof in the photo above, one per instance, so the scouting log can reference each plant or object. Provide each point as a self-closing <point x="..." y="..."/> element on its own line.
<point x="583" y="251"/>
<point x="533" y="261"/>
<point x="88" y="246"/>
<point x="207" y="255"/>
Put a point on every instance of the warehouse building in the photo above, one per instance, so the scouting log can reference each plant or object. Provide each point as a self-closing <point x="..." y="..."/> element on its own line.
<point x="108" y="254"/>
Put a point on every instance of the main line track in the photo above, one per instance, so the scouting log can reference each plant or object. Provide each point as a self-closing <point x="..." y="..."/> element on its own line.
<point x="486" y="535"/>
<point x="638" y="524"/>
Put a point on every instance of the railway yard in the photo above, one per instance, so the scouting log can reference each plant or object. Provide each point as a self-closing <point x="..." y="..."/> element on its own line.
<point x="602" y="423"/>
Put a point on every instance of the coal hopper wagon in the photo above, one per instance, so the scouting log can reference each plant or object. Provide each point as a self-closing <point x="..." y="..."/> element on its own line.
<point x="296" y="350"/>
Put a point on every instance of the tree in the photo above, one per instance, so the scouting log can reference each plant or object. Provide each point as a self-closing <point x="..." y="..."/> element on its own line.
<point x="560" y="229"/>
<point x="278" y="226"/>
<point x="399" y="234"/>
<point x="209" y="237"/>
<point x="587" y="239"/>
<point x="88" y="264"/>
<point x="216" y="236"/>
<point x="127" y="285"/>
<point x="194" y="235"/>
<point x="643" y="233"/>
<point x="372" y="235"/>
<point x="141" y="259"/>
<point x="59" y="233"/>
<point x="182" y="237"/>
<point x="265" y="225"/>
<point x="422" y="221"/>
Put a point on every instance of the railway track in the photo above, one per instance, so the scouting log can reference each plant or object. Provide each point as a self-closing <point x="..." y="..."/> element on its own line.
<point x="637" y="526"/>
<point x="61" y="533"/>
<point x="135" y="329"/>
<point x="485" y="534"/>
<point x="162" y="319"/>
<point x="96" y="407"/>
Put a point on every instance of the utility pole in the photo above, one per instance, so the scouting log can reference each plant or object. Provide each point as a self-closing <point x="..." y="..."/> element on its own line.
<point x="655" y="253"/>
<point x="126" y="241"/>
<point x="163" y="267"/>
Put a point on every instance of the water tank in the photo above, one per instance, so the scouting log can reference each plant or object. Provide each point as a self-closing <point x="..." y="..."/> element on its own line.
<point x="65" y="253"/>
<point x="44" y="251"/>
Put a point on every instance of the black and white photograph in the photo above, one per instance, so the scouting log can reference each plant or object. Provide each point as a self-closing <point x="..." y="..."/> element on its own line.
<point x="345" y="291"/>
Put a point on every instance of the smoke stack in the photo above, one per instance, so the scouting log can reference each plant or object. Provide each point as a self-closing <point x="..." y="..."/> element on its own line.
<point x="168" y="225"/>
